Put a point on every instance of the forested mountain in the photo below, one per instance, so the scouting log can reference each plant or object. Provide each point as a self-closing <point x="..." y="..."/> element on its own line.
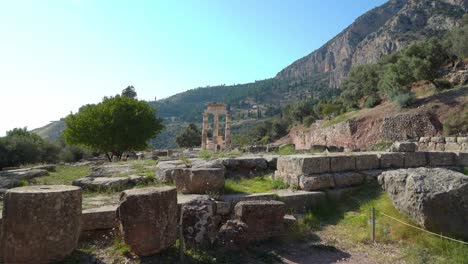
<point x="381" y="31"/>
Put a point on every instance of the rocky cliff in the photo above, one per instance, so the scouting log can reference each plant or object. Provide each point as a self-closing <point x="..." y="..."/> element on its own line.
<point x="379" y="32"/>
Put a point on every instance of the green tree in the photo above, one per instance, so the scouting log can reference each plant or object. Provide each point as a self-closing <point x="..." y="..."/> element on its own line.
<point x="129" y="92"/>
<point x="115" y="125"/>
<point x="191" y="137"/>
<point x="361" y="81"/>
<point x="457" y="40"/>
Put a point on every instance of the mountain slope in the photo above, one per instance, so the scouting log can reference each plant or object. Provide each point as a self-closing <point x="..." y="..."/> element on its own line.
<point x="379" y="32"/>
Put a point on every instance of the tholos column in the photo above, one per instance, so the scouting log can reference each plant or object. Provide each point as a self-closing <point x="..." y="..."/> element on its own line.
<point x="227" y="132"/>
<point x="204" y="131"/>
<point x="216" y="130"/>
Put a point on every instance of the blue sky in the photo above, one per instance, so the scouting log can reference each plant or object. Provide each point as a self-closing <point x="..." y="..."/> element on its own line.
<point x="58" y="55"/>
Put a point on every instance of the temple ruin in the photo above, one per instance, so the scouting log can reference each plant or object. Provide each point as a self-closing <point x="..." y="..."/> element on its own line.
<point x="216" y="142"/>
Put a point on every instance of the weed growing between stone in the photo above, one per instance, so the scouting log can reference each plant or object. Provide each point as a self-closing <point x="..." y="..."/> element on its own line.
<point x="262" y="184"/>
<point x="351" y="222"/>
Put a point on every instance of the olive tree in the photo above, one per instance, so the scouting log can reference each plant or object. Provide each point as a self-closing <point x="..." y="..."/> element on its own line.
<point x="115" y="125"/>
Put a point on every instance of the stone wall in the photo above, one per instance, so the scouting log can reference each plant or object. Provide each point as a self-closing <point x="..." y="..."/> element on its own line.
<point x="362" y="133"/>
<point x="321" y="172"/>
<point x="449" y="144"/>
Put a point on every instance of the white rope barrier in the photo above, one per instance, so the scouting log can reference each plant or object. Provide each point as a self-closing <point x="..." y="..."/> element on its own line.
<point x="421" y="229"/>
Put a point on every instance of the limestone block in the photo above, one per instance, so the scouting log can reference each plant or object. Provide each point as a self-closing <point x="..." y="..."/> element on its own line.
<point x="450" y="139"/>
<point x="100" y="218"/>
<point x="371" y="175"/>
<point x="462" y="139"/>
<point x="438" y="139"/>
<point x="263" y="218"/>
<point x="462" y="159"/>
<point x="424" y="139"/>
<point x="342" y="163"/>
<point x="452" y="147"/>
<point x="199" y="224"/>
<point x="391" y="160"/>
<point x="148" y="219"/>
<point x="367" y="162"/>
<point x="316" y="182"/>
<point x="436" y="159"/>
<point x="404" y="147"/>
<point x="41" y="223"/>
<point x="415" y="159"/>
<point x="316" y="164"/>
<point x="301" y="201"/>
<point x="233" y="235"/>
<point x="346" y="179"/>
<point x="439" y="147"/>
<point x="200" y="180"/>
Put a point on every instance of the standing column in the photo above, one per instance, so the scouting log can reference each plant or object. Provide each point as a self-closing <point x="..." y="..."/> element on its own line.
<point x="227" y="131"/>
<point x="204" y="130"/>
<point x="216" y="128"/>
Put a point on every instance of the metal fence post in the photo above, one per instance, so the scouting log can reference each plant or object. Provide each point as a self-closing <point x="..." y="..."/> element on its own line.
<point x="373" y="223"/>
<point x="181" y="236"/>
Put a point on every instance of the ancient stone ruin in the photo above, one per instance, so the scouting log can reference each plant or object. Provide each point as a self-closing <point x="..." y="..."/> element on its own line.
<point x="216" y="142"/>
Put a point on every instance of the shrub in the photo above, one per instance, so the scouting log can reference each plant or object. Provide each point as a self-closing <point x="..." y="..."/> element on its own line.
<point x="371" y="101"/>
<point x="308" y="121"/>
<point x="442" y="84"/>
<point x="403" y="99"/>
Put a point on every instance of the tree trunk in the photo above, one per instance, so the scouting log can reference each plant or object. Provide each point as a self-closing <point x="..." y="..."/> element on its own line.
<point x="108" y="157"/>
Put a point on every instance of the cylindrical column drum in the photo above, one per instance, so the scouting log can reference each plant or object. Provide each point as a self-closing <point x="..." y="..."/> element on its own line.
<point x="41" y="223"/>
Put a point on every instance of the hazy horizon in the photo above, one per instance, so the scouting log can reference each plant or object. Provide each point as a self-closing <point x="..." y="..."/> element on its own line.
<point x="60" y="55"/>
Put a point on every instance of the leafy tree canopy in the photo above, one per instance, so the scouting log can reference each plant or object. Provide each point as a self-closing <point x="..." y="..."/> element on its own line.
<point x="191" y="137"/>
<point x="115" y="125"/>
<point x="129" y="92"/>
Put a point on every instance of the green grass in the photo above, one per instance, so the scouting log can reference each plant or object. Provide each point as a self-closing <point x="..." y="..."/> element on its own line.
<point x="465" y="170"/>
<point x="259" y="184"/>
<point x="382" y="145"/>
<point x="208" y="154"/>
<point x="341" y="118"/>
<point x="351" y="220"/>
<point x="287" y="150"/>
<point x="63" y="175"/>
<point x="145" y="168"/>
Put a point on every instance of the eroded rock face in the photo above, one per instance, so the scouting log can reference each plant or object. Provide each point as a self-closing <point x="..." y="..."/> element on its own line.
<point x="233" y="235"/>
<point x="199" y="223"/>
<point x="436" y="199"/>
<point x="381" y="31"/>
<point x="41" y="223"/>
<point x="148" y="219"/>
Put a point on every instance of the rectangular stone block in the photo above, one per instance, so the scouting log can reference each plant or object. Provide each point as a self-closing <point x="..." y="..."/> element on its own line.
<point x="303" y="164"/>
<point x="462" y="159"/>
<point x="367" y="162"/>
<point x="234" y="199"/>
<point x="438" y="139"/>
<point x="316" y="182"/>
<point x="301" y="201"/>
<point x="415" y="159"/>
<point x="391" y="160"/>
<point x="439" y="147"/>
<point x="452" y="147"/>
<point x="436" y="159"/>
<point x="316" y="164"/>
<point x="263" y="218"/>
<point x="424" y="139"/>
<point x="450" y="139"/>
<point x="100" y="218"/>
<point x="462" y="139"/>
<point x="342" y="163"/>
<point x="291" y="179"/>
<point x="346" y="179"/>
